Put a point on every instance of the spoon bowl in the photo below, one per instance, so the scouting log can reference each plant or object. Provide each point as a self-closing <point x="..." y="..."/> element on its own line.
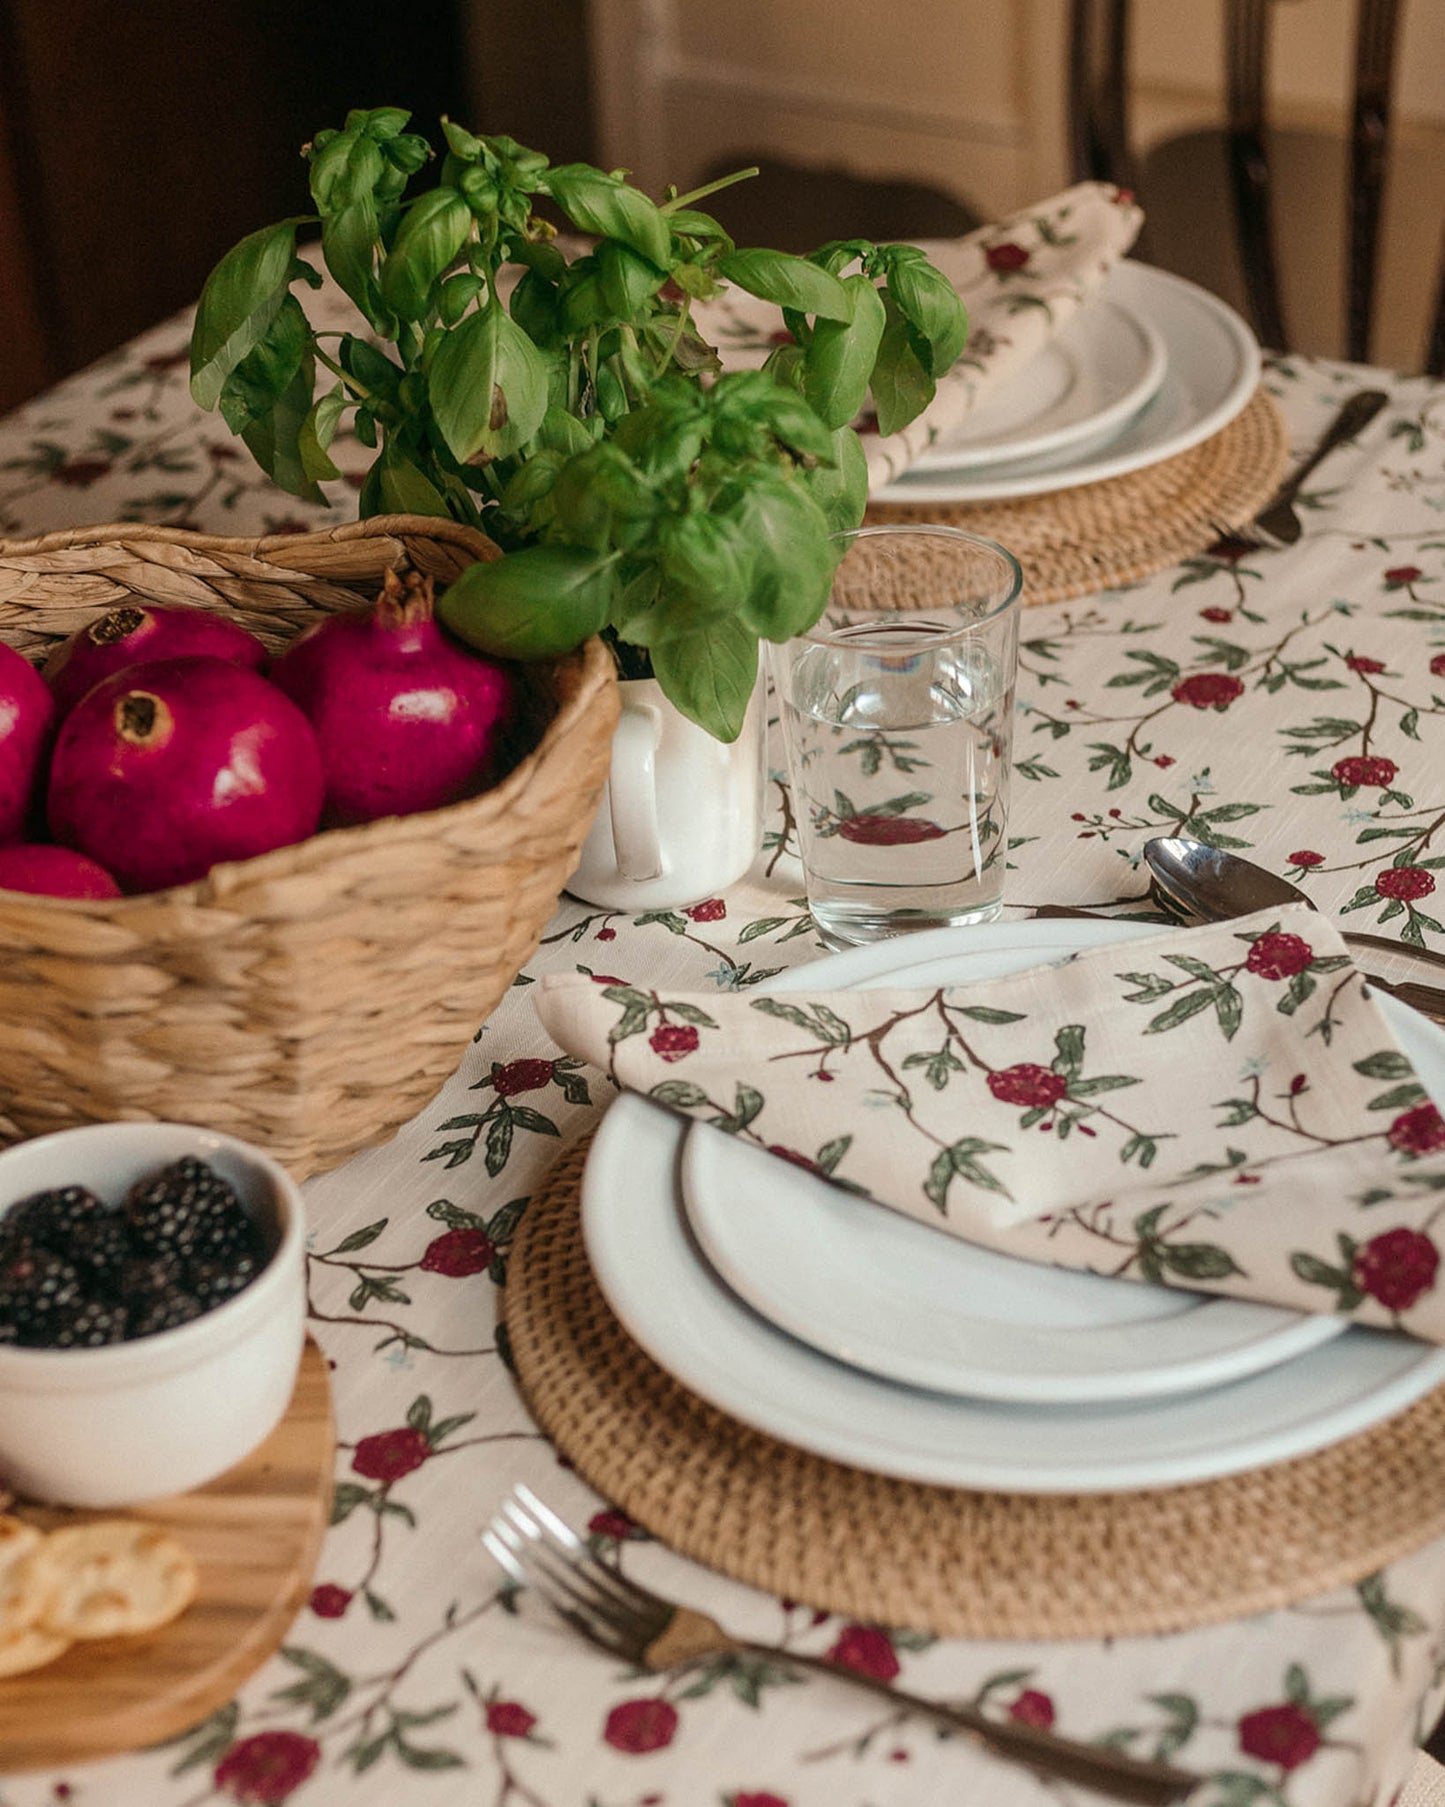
<point x="1207" y="882"/>
<point x="1210" y="885"/>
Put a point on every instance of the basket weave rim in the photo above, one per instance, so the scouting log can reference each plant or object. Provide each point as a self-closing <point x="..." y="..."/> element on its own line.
<point x="592" y="664"/>
<point x="105" y="533"/>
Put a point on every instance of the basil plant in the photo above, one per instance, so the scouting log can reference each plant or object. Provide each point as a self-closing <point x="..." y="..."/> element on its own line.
<point x="563" y="401"/>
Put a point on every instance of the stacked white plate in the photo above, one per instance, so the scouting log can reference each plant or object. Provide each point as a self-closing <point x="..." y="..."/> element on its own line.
<point x="851" y="1331"/>
<point x="1150" y="367"/>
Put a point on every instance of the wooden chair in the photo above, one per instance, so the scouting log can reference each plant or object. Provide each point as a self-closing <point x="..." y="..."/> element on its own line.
<point x="1101" y="146"/>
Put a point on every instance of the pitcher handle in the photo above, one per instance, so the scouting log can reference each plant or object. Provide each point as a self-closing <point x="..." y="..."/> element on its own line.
<point x="632" y="794"/>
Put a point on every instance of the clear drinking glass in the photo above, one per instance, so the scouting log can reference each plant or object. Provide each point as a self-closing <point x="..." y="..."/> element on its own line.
<point x="897" y="713"/>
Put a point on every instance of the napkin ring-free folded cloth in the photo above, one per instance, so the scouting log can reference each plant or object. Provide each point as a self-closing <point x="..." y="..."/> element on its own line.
<point x="1224" y="1108"/>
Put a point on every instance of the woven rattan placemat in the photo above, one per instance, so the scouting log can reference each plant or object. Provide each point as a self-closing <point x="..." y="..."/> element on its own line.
<point x="1101" y="535"/>
<point x="941" y="1559"/>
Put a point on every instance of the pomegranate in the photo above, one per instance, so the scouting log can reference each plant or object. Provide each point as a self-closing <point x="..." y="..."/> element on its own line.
<point x="165" y="769"/>
<point x="407" y="719"/>
<point x="138" y="633"/>
<point x="53" y="872"/>
<point x="27" y="712"/>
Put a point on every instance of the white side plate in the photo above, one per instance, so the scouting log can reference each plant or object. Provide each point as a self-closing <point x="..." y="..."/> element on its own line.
<point x="1097" y="371"/>
<point x="1213" y="370"/>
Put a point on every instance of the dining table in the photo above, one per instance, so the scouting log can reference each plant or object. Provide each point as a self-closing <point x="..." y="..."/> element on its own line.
<point x="1287" y="702"/>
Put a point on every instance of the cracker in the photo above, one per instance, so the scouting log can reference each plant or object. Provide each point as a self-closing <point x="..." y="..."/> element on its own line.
<point x="113" y="1577"/>
<point x="31" y="1648"/>
<point x="22" y="1592"/>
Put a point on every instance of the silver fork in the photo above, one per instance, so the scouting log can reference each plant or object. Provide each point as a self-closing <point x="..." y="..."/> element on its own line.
<point x="1277" y="524"/>
<point x="539" y="1551"/>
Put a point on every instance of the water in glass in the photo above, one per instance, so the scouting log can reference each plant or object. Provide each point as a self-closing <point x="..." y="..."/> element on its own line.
<point x="900" y="756"/>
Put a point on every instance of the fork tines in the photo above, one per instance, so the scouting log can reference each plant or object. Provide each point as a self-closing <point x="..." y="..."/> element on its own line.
<point x="538" y="1550"/>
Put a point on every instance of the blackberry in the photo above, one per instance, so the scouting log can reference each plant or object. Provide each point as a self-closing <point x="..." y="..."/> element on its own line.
<point x="53" y="1217"/>
<point x="35" y="1285"/>
<point x="214" y="1281"/>
<point x="180" y="1207"/>
<point x="163" y="1312"/>
<point x="90" y="1325"/>
<point x="146" y="1277"/>
<point x="99" y="1247"/>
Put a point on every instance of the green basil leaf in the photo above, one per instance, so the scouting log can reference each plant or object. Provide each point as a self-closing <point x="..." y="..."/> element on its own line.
<point x="791" y="282"/>
<point x="381" y="123"/>
<point x="521" y="166"/>
<point x="689" y="222"/>
<point x="266" y="373"/>
<point x="535" y="306"/>
<point x="710" y="674"/>
<point x="488" y="386"/>
<point x="840" y="488"/>
<point x="532" y="604"/>
<point x="626" y="281"/>
<point x="600" y="500"/>
<point x="373" y="370"/>
<point x="317" y="431"/>
<point x="561" y="431"/>
<point x="349" y="239"/>
<point x="902" y="388"/>
<point x="705" y="563"/>
<point x="789" y="418"/>
<point x="792" y="556"/>
<point x="539" y="255"/>
<point x="242" y="296"/>
<point x="457" y="294"/>
<point x="530" y="484"/>
<point x="838" y="364"/>
<point x="612" y="208"/>
<point x="274" y="438"/>
<point x="461" y="142"/>
<point x="784" y="364"/>
<point x="432" y="232"/>
<point x="345" y="168"/>
<point x="838" y="253"/>
<point x="401" y="486"/>
<point x="582" y="305"/>
<point x="932" y="305"/>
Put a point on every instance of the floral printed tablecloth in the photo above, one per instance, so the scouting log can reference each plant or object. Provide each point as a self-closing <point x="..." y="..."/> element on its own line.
<point x="1288" y="703"/>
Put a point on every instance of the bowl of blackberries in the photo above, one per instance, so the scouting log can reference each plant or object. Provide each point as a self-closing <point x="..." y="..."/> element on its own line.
<point x="152" y="1309"/>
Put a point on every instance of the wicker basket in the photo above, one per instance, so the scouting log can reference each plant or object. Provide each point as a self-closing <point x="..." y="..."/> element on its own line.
<point x="313" y="999"/>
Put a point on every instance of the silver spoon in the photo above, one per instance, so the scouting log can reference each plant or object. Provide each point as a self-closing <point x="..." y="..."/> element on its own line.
<point x="1214" y="885"/>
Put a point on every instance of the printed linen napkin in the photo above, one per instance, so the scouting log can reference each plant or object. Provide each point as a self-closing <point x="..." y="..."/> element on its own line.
<point x="1020" y="281"/>
<point x="1223" y="1108"/>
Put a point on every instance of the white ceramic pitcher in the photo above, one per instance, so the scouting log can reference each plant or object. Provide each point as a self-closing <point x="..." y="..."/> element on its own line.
<point x="681" y="816"/>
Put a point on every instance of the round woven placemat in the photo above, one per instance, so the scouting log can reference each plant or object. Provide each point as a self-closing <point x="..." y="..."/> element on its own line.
<point x="1101" y="535"/>
<point x="957" y="1563"/>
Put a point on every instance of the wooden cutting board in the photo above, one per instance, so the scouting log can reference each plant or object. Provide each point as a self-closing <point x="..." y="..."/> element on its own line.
<point x="255" y="1534"/>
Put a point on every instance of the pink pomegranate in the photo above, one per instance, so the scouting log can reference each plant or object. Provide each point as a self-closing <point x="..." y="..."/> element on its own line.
<point x="407" y="719"/>
<point x="53" y="872"/>
<point x="27" y="713"/>
<point x="165" y="769"/>
<point x="139" y="633"/>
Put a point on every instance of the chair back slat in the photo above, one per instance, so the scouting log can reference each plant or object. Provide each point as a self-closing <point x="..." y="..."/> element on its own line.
<point x="1246" y="58"/>
<point x="1099" y="116"/>
<point x="1102" y="148"/>
<point x="1376" y="24"/>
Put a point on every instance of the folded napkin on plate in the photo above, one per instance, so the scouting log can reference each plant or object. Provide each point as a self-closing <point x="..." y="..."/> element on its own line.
<point x="1223" y="1108"/>
<point x="1020" y="280"/>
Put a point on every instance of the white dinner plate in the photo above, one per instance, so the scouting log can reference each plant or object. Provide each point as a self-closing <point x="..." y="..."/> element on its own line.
<point x="666" y="1295"/>
<point x="1099" y="369"/>
<point x="1213" y="367"/>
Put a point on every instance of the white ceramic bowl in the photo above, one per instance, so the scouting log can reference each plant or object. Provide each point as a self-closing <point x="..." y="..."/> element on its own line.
<point x="138" y="1420"/>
